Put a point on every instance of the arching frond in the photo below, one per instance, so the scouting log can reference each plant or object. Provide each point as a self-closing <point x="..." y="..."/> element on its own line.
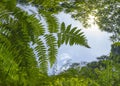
<point x="31" y="24"/>
<point x="15" y="38"/>
<point x="8" y="67"/>
<point x="71" y="36"/>
<point x="52" y="48"/>
<point x="52" y="22"/>
<point x="41" y="53"/>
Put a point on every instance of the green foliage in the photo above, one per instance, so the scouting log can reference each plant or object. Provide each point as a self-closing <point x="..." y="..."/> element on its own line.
<point x="18" y="29"/>
<point x="64" y="81"/>
<point x="115" y="52"/>
<point x="40" y="48"/>
<point x="104" y="72"/>
<point x="51" y="21"/>
<point x="52" y="44"/>
<point x="71" y="36"/>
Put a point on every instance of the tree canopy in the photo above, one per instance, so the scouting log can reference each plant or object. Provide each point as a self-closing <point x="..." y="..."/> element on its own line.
<point x="105" y="13"/>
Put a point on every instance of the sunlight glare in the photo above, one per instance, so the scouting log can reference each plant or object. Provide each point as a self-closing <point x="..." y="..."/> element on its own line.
<point x="91" y="22"/>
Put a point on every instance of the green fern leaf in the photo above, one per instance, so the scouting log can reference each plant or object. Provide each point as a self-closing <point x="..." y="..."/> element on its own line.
<point x="41" y="53"/>
<point x="71" y="36"/>
<point x="62" y="27"/>
<point x="29" y="22"/>
<point x="59" y="39"/>
<point x="36" y="25"/>
<point x="52" y="48"/>
<point x="52" y="22"/>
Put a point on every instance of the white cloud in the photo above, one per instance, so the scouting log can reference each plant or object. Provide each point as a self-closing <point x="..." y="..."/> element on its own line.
<point x="64" y="56"/>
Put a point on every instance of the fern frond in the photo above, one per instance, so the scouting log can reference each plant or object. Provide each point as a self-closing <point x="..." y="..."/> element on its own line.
<point x="62" y="27"/>
<point x="71" y="36"/>
<point x="7" y="62"/>
<point x="9" y="5"/>
<point x="41" y="53"/>
<point x="59" y="41"/>
<point x="36" y="25"/>
<point x="30" y="23"/>
<point x="52" y="22"/>
<point x="27" y="65"/>
<point x="14" y="36"/>
<point x="52" y="48"/>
